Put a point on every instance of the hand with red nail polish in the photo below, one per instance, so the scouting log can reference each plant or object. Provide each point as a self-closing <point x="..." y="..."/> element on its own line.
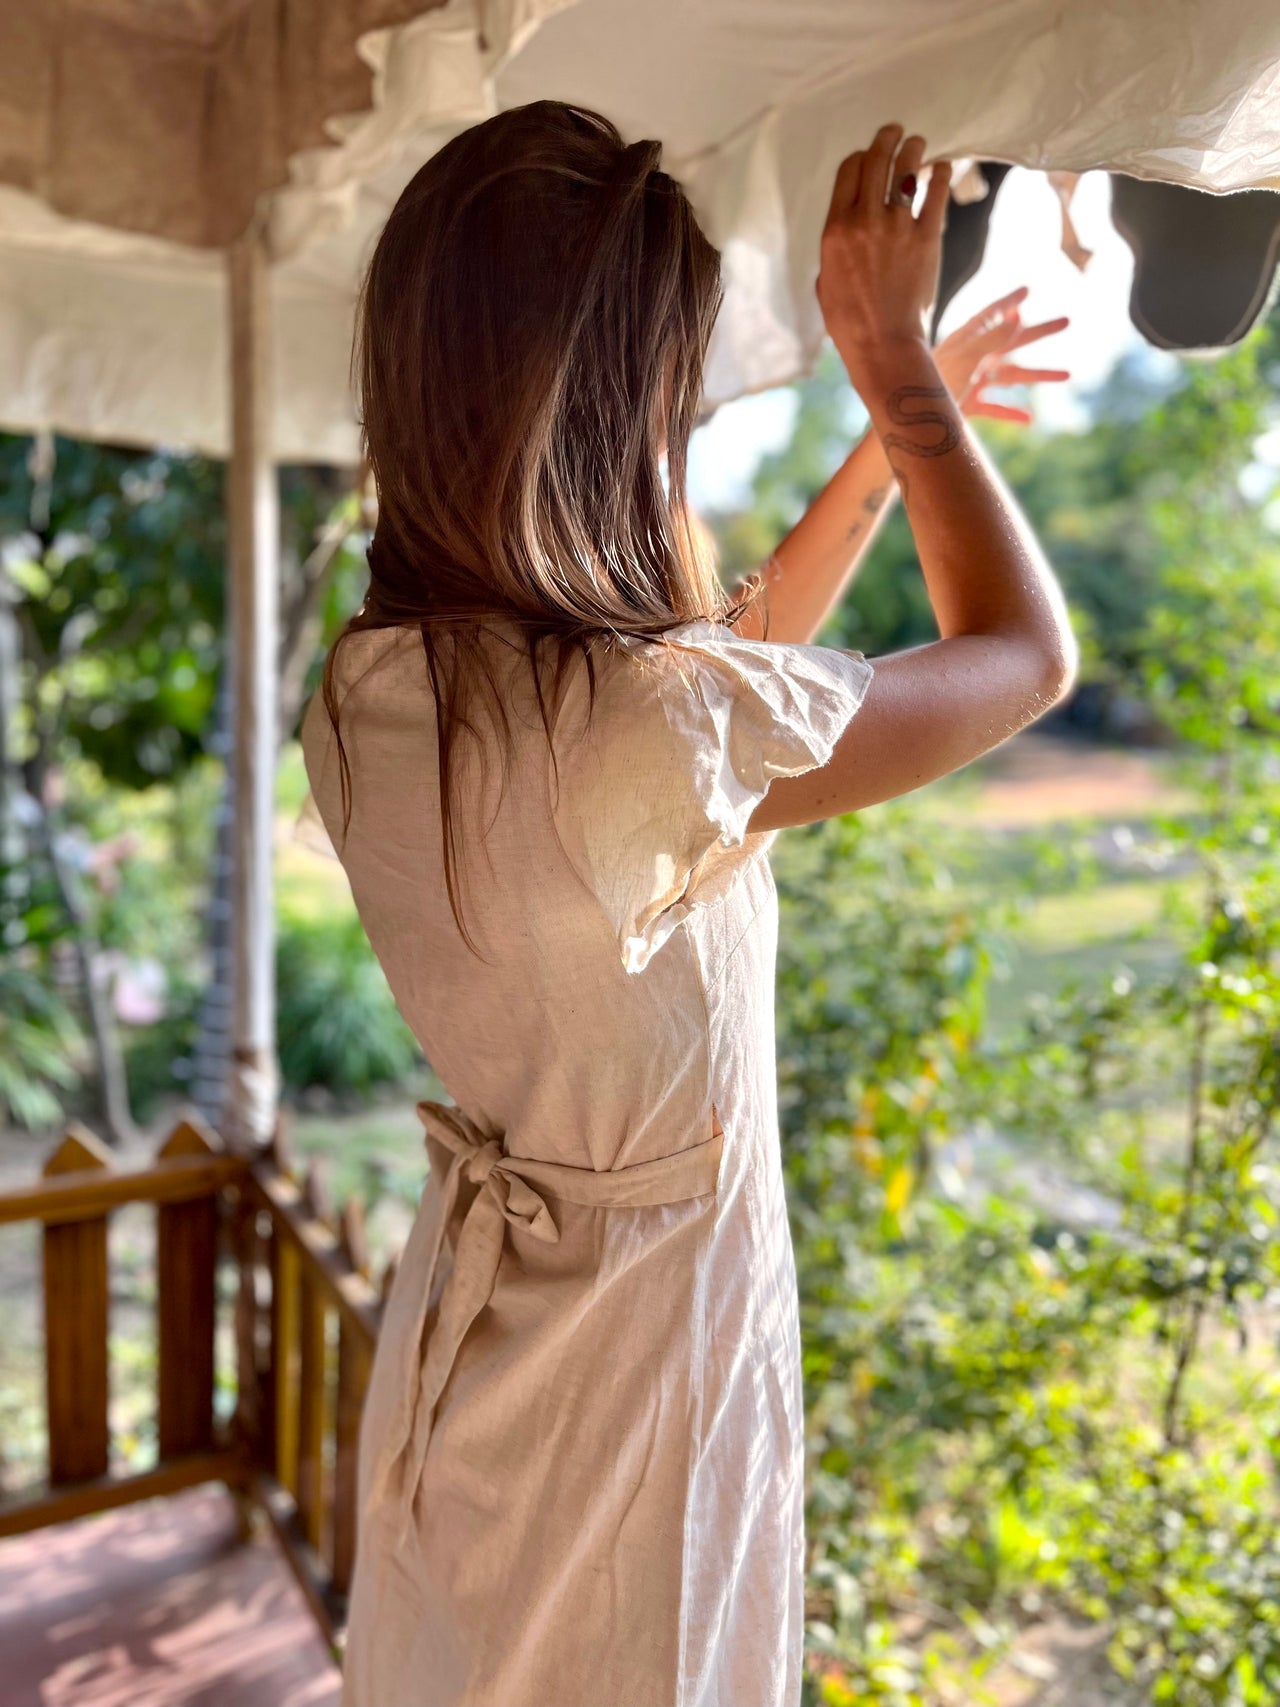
<point x="973" y="358"/>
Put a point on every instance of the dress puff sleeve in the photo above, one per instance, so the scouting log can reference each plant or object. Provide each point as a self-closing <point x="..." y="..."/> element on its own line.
<point x="680" y="749"/>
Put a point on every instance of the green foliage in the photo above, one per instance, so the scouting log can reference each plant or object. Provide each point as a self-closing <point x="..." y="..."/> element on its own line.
<point x="119" y="561"/>
<point x="158" y="1056"/>
<point x="39" y="1042"/>
<point x="114" y="566"/>
<point x="40" y="1038"/>
<point x="124" y="597"/>
<point x="1008" y="1410"/>
<point x="338" y="1022"/>
<point x="1017" y="1405"/>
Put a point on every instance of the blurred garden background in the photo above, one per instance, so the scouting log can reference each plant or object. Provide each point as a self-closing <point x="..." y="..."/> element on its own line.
<point x="1028" y="1023"/>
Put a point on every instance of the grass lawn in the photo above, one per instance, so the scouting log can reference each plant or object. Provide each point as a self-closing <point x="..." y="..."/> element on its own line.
<point x="1089" y="936"/>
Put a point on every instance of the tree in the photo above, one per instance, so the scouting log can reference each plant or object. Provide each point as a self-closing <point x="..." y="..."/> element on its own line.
<point x="113" y="611"/>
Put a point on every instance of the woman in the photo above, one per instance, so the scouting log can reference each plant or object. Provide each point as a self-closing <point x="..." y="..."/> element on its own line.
<point x="560" y="756"/>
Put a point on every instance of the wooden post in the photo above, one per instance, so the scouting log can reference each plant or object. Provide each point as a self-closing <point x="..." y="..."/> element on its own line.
<point x="186" y="1286"/>
<point x="286" y="1357"/>
<point x="254" y="1450"/>
<point x="278" y="1440"/>
<point x="75" y="1325"/>
<point x="312" y="1379"/>
<point x="354" y="1363"/>
<point x="253" y="657"/>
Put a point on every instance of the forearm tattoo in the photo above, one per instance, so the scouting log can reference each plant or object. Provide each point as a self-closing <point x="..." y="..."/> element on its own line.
<point x="870" y="507"/>
<point x="921" y="417"/>
<point x="873" y="500"/>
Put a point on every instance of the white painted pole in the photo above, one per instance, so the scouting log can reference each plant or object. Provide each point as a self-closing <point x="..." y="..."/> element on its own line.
<point x="253" y="532"/>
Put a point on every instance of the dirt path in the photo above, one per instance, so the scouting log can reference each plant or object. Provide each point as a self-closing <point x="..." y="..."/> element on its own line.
<point x="1037" y="778"/>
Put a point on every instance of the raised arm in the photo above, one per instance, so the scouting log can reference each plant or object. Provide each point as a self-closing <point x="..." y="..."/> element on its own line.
<point x="811" y="568"/>
<point x="815" y="563"/>
<point x="1007" y="652"/>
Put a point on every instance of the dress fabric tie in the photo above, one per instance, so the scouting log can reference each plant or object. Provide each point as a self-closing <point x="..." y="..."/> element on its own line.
<point x="514" y="1189"/>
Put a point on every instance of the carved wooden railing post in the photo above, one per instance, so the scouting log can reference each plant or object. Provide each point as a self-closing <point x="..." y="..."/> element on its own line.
<point x="354" y="1359"/>
<point x="75" y="1324"/>
<point x="249" y="1424"/>
<point x="285" y="1355"/>
<point x="186" y="1288"/>
<point x="312" y="1374"/>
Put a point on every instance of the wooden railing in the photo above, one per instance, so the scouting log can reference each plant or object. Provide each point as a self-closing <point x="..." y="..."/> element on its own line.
<point x="307" y="1324"/>
<point x="306" y="1320"/>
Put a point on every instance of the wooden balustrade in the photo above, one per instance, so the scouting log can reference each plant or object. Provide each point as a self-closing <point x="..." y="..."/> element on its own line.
<point x="74" y="1198"/>
<point x="307" y="1336"/>
<point x="306" y="1317"/>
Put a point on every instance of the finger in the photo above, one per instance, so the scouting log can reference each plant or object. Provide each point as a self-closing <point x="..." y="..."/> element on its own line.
<point x="1003" y="304"/>
<point x="996" y="332"/>
<point x="995" y="312"/>
<point x="907" y="165"/>
<point x="875" y="172"/>
<point x="1000" y="412"/>
<point x="1046" y="329"/>
<point x="844" y="193"/>
<point x="1007" y="374"/>
<point x="933" y="211"/>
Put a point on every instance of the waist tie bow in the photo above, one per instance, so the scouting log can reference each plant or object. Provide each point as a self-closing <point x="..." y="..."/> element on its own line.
<point x="514" y="1189"/>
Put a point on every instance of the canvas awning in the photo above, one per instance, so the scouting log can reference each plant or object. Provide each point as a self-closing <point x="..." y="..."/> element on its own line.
<point x="136" y="137"/>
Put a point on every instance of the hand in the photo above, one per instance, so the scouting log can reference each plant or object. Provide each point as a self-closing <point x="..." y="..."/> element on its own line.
<point x="878" y="276"/>
<point x="972" y="357"/>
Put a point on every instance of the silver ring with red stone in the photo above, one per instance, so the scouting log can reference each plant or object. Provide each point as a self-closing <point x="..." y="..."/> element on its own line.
<point x="903" y="193"/>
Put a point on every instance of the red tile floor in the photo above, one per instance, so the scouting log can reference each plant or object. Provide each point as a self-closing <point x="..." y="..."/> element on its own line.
<point x="157" y="1605"/>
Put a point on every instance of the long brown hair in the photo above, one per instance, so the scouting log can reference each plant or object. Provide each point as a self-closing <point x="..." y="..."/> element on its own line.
<point x="537" y="309"/>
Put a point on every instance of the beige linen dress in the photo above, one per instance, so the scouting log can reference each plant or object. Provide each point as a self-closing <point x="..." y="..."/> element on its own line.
<point x="581" y="1462"/>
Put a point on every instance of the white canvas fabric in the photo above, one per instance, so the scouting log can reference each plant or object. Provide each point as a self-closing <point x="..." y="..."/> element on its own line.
<point x="112" y="317"/>
<point x="581" y="1461"/>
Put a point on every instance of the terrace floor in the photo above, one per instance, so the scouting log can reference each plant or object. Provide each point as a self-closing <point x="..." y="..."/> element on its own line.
<point x="157" y="1605"/>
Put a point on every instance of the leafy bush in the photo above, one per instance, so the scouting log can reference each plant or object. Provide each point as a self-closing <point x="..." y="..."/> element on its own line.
<point x="338" y="1022"/>
<point x="159" y="1057"/>
<point x="40" y="1038"/>
<point x="39" y="1041"/>
<point x="1008" y="1411"/>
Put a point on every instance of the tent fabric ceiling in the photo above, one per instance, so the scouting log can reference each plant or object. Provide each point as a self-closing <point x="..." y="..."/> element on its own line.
<point x="169" y="117"/>
<point x="112" y="304"/>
